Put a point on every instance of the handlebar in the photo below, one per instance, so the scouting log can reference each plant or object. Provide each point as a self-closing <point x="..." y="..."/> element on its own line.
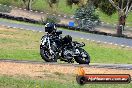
<point x="75" y="43"/>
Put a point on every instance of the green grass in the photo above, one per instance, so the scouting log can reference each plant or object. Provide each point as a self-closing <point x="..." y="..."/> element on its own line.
<point x="19" y="44"/>
<point x="41" y="5"/>
<point x="103" y="54"/>
<point x="24" y="45"/>
<point x="13" y="82"/>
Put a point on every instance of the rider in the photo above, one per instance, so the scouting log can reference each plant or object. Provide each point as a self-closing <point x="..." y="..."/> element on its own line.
<point x="50" y="27"/>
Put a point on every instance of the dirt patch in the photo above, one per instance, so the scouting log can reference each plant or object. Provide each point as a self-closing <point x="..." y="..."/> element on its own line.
<point x="106" y="30"/>
<point x="46" y="71"/>
<point x="8" y="32"/>
<point x="33" y="15"/>
<point x="6" y="36"/>
<point x="7" y="29"/>
<point x="27" y="14"/>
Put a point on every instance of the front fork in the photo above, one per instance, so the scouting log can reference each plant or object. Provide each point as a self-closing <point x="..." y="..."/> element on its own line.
<point x="49" y="46"/>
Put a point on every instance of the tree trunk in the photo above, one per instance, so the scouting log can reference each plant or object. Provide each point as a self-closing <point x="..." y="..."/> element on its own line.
<point x="29" y="7"/>
<point x="121" y="25"/>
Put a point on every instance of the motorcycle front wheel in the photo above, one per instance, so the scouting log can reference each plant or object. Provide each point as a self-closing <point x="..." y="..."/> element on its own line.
<point x="46" y="56"/>
<point x="83" y="58"/>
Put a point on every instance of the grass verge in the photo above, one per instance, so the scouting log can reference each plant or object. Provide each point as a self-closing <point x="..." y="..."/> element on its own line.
<point x="13" y="82"/>
<point x="20" y="44"/>
<point x="24" y="45"/>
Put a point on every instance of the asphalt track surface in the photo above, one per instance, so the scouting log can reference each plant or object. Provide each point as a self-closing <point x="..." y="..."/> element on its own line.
<point x="94" y="37"/>
<point x="95" y="65"/>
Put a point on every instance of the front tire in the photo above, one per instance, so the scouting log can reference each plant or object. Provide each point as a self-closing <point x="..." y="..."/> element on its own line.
<point x="46" y="56"/>
<point x="82" y="60"/>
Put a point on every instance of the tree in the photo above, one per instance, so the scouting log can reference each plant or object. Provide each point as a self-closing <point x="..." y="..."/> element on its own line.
<point x="123" y="7"/>
<point x="76" y="2"/>
<point x="68" y="2"/>
<point x="52" y="2"/>
<point x="109" y="7"/>
<point x="86" y="17"/>
<point x="28" y="4"/>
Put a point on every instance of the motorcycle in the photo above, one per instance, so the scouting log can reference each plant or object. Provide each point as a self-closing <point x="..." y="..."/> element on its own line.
<point x="53" y="47"/>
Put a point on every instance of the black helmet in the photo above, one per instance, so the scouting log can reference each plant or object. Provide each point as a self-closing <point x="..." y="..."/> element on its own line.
<point x="50" y="27"/>
<point x="67" y="39"/>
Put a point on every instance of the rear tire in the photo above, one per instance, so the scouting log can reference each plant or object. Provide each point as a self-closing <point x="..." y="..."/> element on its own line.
<point x="82" y="60"/>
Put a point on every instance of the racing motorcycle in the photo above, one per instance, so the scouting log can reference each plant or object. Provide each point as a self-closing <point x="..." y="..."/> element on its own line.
<point x="53" y="47"/>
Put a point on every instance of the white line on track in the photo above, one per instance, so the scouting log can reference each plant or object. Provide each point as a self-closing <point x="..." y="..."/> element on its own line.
<point x="88" y="39"/>
<point x="122" y="45"/>
<point x="21" y="28"/>
<point x="14" y="27"/>
<point x="36" y="11"/>
<point x="9" y="26"/>
<point x="115" y="44"/>
<point x="105" y="42"/>
<point x="127" y="46"/>
<point x="41" y="12"/>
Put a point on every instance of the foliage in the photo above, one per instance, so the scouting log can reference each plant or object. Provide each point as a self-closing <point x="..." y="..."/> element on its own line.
<point x="51" y="2"/>
<point x="5" y="2"/>
<point x="4" y="8"/>
<point x="76" y="2"/>
<point x="52" y="19"/>
<point x="71" y="2"/>
<point x="86" y="17"/>
<point x="106" y="7"/>
<point x="28" y="3"/>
